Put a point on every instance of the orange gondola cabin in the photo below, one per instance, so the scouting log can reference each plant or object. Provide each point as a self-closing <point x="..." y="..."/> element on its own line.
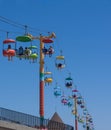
<point x="9" y="48"/>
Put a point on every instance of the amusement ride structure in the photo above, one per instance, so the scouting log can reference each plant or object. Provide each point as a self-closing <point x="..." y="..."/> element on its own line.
<point x="75" y="101"/>
<point x="28" y="53"/>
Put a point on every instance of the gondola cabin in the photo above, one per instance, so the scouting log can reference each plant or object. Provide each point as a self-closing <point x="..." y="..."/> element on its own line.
<point x="70" y="102"/>
<point x="84" y="126"/>
<point x="73" y="111"/>
<point x="82" y="106"/>
<point x="79" y="102"/>
<point x="64" y="100"/>
<point x="69" y="82"/>
<point x="74" y="93"/>
<point x="9" y="48"/>
<point x="48" y="78"/>
<point x="81" y="119"/>
<point x="47" y="50"/>
<point x="34" y="54"/>
<point x="57" y="91"/>
<point x="85" y="112"/>
<point x="21" y="51"/>
<point x="79" y="99"/>
<point x="60" y="62"/>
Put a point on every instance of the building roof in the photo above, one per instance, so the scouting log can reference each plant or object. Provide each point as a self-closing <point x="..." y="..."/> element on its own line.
<point x="56" y="118"/>
<point x="56" y="123"/>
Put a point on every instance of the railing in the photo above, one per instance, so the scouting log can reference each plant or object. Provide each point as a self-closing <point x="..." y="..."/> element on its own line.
<point x="31" y="121"/>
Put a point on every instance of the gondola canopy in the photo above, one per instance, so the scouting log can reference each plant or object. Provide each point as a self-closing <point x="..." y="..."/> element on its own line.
<point x="8" y="41"/>
<point x="24" y="38"/>
<point x="47" y="40"/>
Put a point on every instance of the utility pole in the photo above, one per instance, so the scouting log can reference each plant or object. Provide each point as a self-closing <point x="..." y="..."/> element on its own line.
<point x="41" y="74"/>
<point x="76" y="112"/>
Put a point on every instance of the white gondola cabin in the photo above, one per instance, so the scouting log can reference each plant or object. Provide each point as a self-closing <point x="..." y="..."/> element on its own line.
<point x="60" y="62"/>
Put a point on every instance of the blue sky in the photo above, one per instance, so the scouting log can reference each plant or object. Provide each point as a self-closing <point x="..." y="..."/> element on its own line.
<point x="83" y="30"/>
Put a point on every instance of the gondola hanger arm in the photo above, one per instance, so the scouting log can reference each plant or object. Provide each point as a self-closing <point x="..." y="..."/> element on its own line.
<point x="52" y="35"/>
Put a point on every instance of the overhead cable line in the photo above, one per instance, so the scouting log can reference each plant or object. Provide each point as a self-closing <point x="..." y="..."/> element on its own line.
<point x="5" y="20"/>
<point x="13" y="23"/>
